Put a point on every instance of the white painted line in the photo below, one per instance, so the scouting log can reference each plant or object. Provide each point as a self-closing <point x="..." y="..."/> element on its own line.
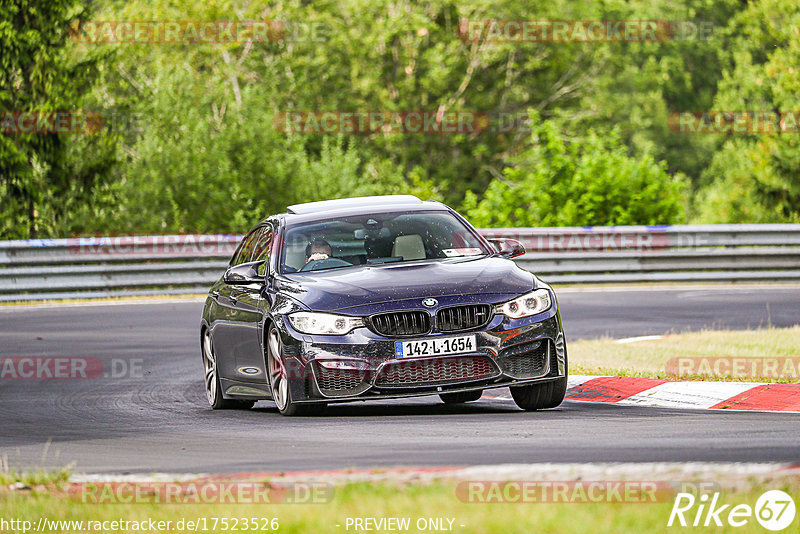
<point x="699" y="395"/>
<point x="636" y="339"/>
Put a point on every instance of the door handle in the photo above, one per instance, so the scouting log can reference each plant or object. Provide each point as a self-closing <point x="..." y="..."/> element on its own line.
<point x="234" y="299"/>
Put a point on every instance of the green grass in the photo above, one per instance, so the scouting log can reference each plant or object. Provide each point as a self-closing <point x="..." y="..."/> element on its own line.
<point x="649" y="358"/>
<point x="35" y="478"/>
<point x="437" y="500"/>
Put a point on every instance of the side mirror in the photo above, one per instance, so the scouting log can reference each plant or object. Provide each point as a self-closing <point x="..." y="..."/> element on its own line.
<point x="246" y="273"/>
<point x="508" y="248"/>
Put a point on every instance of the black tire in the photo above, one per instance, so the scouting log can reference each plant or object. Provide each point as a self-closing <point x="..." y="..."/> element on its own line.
<point x="278" y="380"/>
<point x="540" y="396"/>
<point x="461" y="397"/>
<point x="212" y="383"/>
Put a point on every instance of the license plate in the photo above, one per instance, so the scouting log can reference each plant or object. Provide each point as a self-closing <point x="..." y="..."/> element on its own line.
<point x="435" y="346"/>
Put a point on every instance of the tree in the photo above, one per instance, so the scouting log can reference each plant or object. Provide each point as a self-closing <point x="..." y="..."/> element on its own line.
<point x="583" y="181"/>
<point x="391" y="56"/>
<point x="41" y="175"/>
<point x="755" y="177"/>
<point x="201" y="158"/>
<point x="202" y="136"/>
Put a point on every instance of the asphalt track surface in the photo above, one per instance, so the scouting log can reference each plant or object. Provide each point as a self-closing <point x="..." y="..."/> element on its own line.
<point x="159" y="419"/>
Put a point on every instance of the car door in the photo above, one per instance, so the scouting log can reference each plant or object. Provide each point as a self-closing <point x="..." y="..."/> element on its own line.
<point x="253" y="302"/>
<point x="235" y="313"/>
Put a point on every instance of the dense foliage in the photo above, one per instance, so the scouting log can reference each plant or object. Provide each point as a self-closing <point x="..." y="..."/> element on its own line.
<point x="578" y="134"/>
<point x="577" y="183"/>
<point x="45" y="178"/>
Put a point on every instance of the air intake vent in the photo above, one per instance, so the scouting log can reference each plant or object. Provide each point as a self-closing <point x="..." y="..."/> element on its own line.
<point x="341" y="382"/>
<point x="466" y="317"/>
<point x="434" y="371"/>
<point x="407" y="323"/>
<point x="525" y="360"/>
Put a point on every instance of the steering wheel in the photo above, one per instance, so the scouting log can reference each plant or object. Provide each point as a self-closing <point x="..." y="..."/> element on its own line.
<point x="327" y="263"/>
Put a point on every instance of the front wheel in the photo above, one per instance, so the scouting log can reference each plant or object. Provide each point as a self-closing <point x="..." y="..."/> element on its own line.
<point x="540" y="396"/>
<point x="279" y="380"/>
<point x="213" y="387"/>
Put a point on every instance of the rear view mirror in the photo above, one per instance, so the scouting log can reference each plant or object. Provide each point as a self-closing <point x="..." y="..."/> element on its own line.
<point x="246" y="273"/>
<point x="508" y="248"/>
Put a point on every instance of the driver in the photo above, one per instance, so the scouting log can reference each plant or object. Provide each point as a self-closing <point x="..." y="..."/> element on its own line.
<point x="318" y="249"/>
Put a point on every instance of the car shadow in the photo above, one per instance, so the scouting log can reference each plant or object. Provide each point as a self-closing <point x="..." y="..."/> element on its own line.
<point x="397" y="409"/>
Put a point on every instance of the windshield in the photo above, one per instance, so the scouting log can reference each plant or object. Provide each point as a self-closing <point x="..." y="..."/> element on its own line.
<point x="337" y="243"/>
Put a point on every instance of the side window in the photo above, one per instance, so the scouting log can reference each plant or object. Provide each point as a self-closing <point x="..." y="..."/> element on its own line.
<point x="245" y="251"/>
<point x="263" y="249"/>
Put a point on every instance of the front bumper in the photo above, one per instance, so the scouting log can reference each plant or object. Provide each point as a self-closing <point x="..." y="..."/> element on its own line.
<point x="362" y="365"/>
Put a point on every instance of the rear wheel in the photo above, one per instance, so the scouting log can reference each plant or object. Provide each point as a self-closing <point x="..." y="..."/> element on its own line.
<point x="213" y="386"/>
<point x="461" y="397"/>
<point x="279" y="380"/>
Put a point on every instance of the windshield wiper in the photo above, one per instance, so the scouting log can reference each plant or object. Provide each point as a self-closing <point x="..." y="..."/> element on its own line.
<point x="388" y="259"/>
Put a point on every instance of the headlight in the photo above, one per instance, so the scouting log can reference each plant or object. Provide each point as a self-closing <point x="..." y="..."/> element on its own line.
<point x="324" y="323"/>
<point x="526" y="305"/>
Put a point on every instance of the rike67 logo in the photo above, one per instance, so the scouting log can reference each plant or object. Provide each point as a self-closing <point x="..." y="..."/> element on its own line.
<point x="774" y="510"/>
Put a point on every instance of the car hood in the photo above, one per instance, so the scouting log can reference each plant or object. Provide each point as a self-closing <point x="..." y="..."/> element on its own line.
<point x="339" y="289"/>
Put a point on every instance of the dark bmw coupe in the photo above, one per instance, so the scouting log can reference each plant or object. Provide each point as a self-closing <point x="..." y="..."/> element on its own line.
<point x="378" y="298"/>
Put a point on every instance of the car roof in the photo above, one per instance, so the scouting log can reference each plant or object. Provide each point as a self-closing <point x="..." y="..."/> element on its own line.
<point x="315" y="211"/>
<point x="357" y="202"/>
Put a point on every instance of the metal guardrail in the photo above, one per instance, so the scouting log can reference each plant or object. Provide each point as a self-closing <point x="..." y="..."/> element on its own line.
<point x="725" y="252"/>
<point x="121" y="266"/>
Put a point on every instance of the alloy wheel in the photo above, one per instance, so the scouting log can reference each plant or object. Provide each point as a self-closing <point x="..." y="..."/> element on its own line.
<point x="210" y="365"/>
<point x="277" y="372"/>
